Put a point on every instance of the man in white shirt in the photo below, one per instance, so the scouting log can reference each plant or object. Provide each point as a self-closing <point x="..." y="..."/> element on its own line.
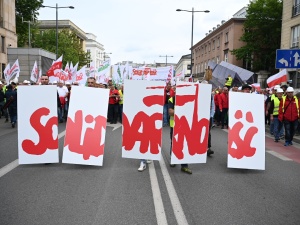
<point x="63" y="97"/>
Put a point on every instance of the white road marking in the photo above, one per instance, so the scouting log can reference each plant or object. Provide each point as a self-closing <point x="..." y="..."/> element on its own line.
<point x="158" y="203"/>
<point x="14" y="164"/>
<point x="176" y="205"/>
<point x="282" y="157"/>
<point x="114" y="126"/>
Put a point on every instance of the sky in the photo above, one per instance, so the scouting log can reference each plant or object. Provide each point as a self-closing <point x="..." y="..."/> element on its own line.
<point x="142" y="30"/>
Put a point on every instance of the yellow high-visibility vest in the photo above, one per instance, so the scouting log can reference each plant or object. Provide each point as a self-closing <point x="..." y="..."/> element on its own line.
<point x="276" y="106"/>
<point x="171" y="117"/>
<point x="229" y="82"/>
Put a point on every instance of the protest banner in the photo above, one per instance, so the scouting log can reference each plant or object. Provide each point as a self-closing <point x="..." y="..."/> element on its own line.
<point x="86" y="126"/>
<point x="246" y="134"/>
<point x="142" y="119"/>
<point x="37" y="124"/>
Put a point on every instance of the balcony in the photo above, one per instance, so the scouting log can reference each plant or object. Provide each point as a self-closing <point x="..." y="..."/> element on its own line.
<point x="296" y="10"/>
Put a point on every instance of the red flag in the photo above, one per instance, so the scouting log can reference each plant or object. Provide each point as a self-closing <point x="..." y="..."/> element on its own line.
<point x="57" y="65"/>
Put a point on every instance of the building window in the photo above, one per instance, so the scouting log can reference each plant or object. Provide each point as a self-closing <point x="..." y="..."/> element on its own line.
<point x="218" y="42"/>
<point x="205" y="49"/>
<point x="213" y="45"/>
<point x="226" y="38"/>
<point x="296" y="8"/>
<point x="209" y="46"/>
<point x="218" y="59"/>
<point x="205" y="65"/>
<point x="202" y="67"/>
<point x="295" y="36"/>
<point x="226" y="56"/>
<point x="2" y="44"/>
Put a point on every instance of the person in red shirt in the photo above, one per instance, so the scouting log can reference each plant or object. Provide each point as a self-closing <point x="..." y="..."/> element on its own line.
<point x="113" y="106"/>
<point x="217" y="110"/>
<point x="223" y="106"/>
<point x="289" y="115"/>
<point x="169" y="92"/>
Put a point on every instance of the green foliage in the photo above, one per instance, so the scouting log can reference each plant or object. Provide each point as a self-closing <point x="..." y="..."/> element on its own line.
<point x="68" y="45"/>
<point x="28" y="10"/>
<point x="262" y="34"/>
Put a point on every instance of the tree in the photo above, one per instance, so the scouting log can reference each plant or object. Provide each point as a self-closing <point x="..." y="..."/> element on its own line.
<point x="28" y="10"/>
<point x="262" y="34"/>
<point x="68" y="45"/>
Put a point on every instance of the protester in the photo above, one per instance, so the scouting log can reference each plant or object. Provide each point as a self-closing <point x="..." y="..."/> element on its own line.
<point x="169" y="92"/>
<point x="11" y="103"/>
<point x="223" y="106"/>
<point x="113" y="106"/>
<point x="274" y="111"/>
<point x="289" y="115"/>
<point x="228" y="82"/>
<point x="63" y="93"/>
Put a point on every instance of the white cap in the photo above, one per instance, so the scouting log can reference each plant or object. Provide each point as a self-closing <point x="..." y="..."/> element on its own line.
<point x="276" y="86"/>
<point x="290" y="89"/>
<point x="279" y="90"/>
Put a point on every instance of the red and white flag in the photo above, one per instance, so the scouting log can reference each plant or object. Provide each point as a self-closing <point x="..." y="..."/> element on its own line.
<point x="256" y="86"/>
<point x="277" y="78"/>
<point x="81" y="76"/>
<point x="74" y="71"/>
<point x="55" y="70"/>
<point x="34" y="73"/>
<point x="6" y="73"/>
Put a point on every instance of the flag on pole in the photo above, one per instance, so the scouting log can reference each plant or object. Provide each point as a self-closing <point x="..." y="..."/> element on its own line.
<point x="256" y="86"/>
<point x="277" y="78"/>
<point x="55" y="70"/>
<point x="74" y="71"/>
<point x="6" y="73"/>
<point x="15" y="69"/>
<point x="34" y="73"/>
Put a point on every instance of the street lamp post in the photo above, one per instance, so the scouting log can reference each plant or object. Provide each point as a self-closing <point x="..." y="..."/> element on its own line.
<point x="29" y="35"/>
<point x="104" y="53"/>
<point x="166" y="58"/>
<point x="205" y="11"/>
<point x="56" y="7"/>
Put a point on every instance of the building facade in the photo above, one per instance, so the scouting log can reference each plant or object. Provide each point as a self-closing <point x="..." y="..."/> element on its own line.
<point x="218" y="44"/>
<point x="64" y="24"/>
<point x="290" y="33"/>
<point x="183" y="65"/>
<point x="8" y="36"/>
<point x="95" y="49"/>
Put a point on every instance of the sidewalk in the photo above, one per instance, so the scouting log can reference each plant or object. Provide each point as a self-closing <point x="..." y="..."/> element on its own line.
<point x="295" y="139"/>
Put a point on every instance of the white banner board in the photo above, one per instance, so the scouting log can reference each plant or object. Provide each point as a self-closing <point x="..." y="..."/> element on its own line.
<point x="142" y="119"/>
<point x="37" y="124"/>
<point x="246" y="134"/>
<point x="86" y="126"/>
<point x="191" y="123"/>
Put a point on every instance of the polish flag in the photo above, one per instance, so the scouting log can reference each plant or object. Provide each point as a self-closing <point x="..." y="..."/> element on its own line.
<point x="34" y="73"/>
<point x="277" y="78"/>
<point x="256" y="86"/>
<point x="55" y="68"/>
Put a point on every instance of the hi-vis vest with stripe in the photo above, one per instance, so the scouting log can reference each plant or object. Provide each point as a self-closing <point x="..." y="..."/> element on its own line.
<point x="171" y="117"/>
<point x="276" y="106"/>
<point x="229" y="81"/>
<point x="296" y="100"/>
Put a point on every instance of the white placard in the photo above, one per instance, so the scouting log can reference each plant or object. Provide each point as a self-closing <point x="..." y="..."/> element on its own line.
<point x="86" y="126"/>
<point x="37" y="124"/>
<point x="142" y="119"/>
<point x="191" y="127"/>
<point x="246" y="135"/>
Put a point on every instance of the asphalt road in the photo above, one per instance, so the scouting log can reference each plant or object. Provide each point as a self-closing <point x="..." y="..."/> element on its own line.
<point x="117" y="193"/>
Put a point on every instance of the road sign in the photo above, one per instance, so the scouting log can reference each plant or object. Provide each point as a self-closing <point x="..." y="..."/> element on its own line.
<point x="287" y="58"/>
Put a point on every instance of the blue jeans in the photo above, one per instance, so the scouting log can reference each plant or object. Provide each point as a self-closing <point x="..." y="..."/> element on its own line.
<point x="60" y="113"/>
<point x="278" y="128"/>
<point x="290" y="129"/>
<point x="166" y="114"/>
<point x="12" y="110"/>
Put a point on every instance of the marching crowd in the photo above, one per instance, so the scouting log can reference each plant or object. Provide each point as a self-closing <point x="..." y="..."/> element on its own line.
<point x="281" y="107"/>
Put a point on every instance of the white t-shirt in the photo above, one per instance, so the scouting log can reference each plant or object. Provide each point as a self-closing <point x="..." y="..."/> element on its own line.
<point x="62" y="91"/>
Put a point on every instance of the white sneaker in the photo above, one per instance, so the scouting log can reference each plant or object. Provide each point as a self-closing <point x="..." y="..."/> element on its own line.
<point x="142" y="167"/>
<point x="149" y="161"/>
